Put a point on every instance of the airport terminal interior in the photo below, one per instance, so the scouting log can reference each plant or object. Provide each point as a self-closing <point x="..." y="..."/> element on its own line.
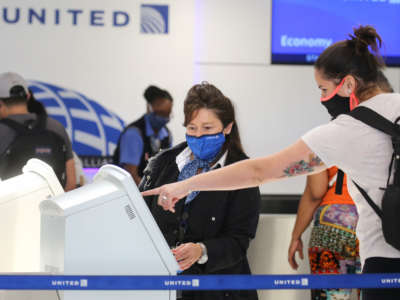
<point x="108" y="99"/>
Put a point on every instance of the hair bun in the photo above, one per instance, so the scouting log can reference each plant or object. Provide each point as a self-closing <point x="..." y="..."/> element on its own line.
<point x="364" y="37"/>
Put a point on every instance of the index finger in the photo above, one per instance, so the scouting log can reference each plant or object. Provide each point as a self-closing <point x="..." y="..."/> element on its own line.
<point x="151" y="192"/>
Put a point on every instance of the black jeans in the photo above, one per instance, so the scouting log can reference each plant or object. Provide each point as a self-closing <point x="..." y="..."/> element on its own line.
<point x="381" y="265"/>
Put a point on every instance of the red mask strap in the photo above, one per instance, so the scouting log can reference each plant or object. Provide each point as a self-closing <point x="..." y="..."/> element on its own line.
<point x="353" y="101"/>
<point x="323" y="99"/>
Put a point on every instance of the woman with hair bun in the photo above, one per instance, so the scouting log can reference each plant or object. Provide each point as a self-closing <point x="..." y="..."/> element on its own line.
<point x="326" y="202"/>
<point x="348" y="68"/>
<point x="146" y="136"/>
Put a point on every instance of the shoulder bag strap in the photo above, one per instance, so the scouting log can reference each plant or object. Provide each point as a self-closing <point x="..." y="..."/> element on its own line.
<point x="375" y="120"/>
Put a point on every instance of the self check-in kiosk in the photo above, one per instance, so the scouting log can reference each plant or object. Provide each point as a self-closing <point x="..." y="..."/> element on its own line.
<point x="20" y="216"/>
<point x="104" y="228"/>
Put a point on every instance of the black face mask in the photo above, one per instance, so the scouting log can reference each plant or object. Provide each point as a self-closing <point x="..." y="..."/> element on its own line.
<point x="337" y="105"/>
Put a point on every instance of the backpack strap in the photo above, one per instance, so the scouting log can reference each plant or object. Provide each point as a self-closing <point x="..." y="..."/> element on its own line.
<point x="339" y="182"/>
<point x="375" y="120"/>
<point x="369" y="200"/>
<point x="19" y="129"/>
<point x="23" y="129"/>
<point x="27" y="126"/>
<point x="14" y="125"/>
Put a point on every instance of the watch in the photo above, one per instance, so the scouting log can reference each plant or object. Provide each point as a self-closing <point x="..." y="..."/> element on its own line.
<point x="204" y="257"/>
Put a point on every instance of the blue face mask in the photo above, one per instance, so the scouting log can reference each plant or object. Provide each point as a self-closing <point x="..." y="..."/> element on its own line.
<point x="157" y="122"/>
<point x="206" y="147"/>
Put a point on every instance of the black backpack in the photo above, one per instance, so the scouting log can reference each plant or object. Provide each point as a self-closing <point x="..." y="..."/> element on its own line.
<point x="33" y="140"/>
<point x="390" y="211"/>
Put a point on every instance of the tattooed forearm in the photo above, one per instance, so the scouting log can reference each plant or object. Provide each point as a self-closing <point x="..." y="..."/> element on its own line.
<point x="302" y="167"/>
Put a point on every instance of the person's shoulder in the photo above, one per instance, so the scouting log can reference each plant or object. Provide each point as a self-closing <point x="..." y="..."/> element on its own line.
<point x="342" y="122"/>
<point x="383" y="97"/>
<point x="382" y="100"/>
<point x="138" y="123"/>
<point x="55" y="126"/>
<point x="387" y="104"/>
<point x="136" y="127"/>
<point x="342" y="128"/>
<point x="132" y="132"/>
<point x="53" y="123"/>
<point x="20" y="119"/>
<point x="170" y="152"/>
<point x="164" y="157"/>
<point x="58" y="129"/>
<point x="235" y="156"/>
<point x="5" y="129"/>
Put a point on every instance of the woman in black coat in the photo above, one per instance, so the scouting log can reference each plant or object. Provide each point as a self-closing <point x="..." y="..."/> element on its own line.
<point x="209" y="232"/>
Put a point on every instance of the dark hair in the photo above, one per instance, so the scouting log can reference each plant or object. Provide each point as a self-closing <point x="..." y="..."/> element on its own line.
<point x="207" y="96"/>
<point x="35" y="106"/>
<point x="358" y="56"/>
<point x="153" y="93"/>
<point x="384" y="83"/>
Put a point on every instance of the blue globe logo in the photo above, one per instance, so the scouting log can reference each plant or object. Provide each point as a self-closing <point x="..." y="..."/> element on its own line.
<point x="94" y="130"/>
<point x="154" y="19"/>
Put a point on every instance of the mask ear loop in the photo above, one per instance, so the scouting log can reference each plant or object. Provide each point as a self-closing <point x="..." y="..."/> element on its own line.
<point x="323" y="99"/>
<point x="353" y="101"/>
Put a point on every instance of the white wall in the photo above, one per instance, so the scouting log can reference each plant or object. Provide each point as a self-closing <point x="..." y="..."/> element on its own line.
<point x="275" y="104"/>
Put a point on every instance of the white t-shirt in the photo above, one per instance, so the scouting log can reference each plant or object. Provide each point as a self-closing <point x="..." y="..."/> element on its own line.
<point x="364" y="154"/>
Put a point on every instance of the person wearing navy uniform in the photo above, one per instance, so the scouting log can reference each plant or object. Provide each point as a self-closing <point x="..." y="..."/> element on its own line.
<point x="210" y="232"/>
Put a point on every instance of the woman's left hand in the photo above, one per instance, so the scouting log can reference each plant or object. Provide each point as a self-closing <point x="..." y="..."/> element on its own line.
<point x="187" y="254"/>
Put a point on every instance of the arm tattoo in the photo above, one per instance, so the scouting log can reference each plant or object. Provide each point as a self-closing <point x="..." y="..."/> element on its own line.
<point x="302" y="167"/>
